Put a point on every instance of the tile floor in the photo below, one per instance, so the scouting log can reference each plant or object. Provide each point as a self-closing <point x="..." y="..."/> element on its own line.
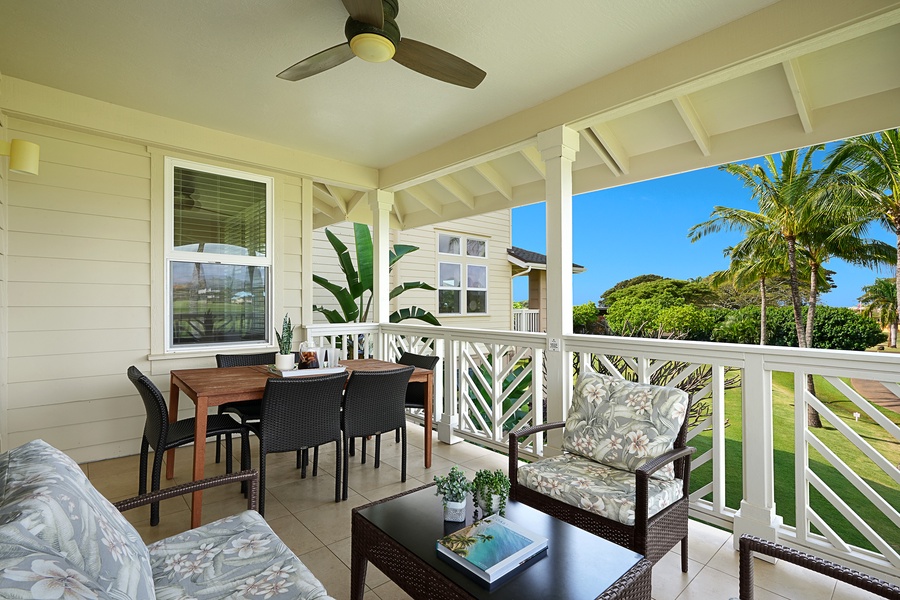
<point x="303" y="513"/>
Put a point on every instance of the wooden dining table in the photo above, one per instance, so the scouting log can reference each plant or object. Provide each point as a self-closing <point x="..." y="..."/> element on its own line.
<point x="216" y="386"/>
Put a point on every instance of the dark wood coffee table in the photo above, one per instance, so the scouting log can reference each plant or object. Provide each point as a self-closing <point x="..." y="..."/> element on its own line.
<point x="398" y="536"/>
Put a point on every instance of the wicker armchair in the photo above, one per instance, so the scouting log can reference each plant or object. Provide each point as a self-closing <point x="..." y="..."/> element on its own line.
<point x="655" y="525"/>
<point x="374" y="404"/>
<point x="297" y="414"/>
<point x="750" y="544"/>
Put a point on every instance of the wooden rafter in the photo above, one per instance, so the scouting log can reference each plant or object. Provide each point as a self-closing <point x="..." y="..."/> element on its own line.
<point x="533" y="157"/>
<point x="612" y="146"/>
<point x="798" y="91"/>
<point x="694" y="124"/>
<point x="420" y="195"/>
<point x="497" y="181"/>
<point x="457" y="190"/>
<point x="588" y="136"/>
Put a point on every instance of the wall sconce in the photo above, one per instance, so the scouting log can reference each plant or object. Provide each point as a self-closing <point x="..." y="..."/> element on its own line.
<point x="23" y="156"/>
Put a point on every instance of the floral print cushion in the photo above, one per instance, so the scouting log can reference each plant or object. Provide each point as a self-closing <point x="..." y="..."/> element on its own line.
<point x="234" y="557"/>
<point x="596" y="488"/>
<point x="59" y="538"/>
<point x="624" y="424"/>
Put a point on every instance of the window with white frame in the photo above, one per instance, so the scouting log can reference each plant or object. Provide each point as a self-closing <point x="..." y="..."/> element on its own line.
<point x="462" y="275"/>
<point x="218" y="257"/>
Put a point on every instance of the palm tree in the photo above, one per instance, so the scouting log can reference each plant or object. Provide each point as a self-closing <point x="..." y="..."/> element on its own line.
<point x="880" y="299"/>
<point x="875" y="159"/>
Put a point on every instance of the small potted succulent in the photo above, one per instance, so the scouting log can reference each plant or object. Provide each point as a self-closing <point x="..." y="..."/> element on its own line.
<point x="453" y="487"/>
<point x="284" y="360"/>
<point x="490" y="490"/>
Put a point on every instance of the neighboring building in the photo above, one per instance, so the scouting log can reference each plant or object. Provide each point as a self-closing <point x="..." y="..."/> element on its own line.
<point x="465" y="259"/>
<point x="534" y="265"/>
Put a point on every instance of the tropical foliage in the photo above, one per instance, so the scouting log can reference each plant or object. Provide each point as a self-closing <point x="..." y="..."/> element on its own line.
<point x="879" y="300"/>
<point x="355" y="299"/>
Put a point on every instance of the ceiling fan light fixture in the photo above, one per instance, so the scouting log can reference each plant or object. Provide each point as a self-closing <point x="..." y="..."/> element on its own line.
<point x="372" y="47"/>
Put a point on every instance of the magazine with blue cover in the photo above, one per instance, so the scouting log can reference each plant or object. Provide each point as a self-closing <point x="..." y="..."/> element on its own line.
<point x="492" y="549"/>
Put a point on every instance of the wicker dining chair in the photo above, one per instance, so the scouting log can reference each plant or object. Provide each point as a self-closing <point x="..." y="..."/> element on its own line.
<point x="244" y="411"/>
<point x="161" y="435"/>
<point x="299" y="413"/>
<point x="415" y="391"/>
<point x="374" y="404"/>
<point x="749" y="544"/>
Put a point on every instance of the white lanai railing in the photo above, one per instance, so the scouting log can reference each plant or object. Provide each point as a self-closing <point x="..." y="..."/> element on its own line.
<point x="490" y="382"/>
<point x="526" y="319"/>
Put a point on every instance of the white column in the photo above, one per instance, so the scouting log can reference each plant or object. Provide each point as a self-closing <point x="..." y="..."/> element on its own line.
<point x="306" y="255"/>
<point x="558" y="147"/>
<point x="757" y="513"/>
<point x="381" y="203"/>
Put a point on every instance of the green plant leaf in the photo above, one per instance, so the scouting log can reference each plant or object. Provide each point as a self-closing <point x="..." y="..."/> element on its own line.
<point x="332" y="315"/>
<point x="414" y="312"/>
<point x="346" y="262"/>
<point x="410" y="285"/>
<point x="344" y="298"/>
<point x="399" y="251"/>
<point x="364" y="255"/>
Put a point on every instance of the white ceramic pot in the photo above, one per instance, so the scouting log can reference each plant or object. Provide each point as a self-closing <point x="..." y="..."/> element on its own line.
<point x="284" y="362"/>
<point x="455" y="511"/>
<point x="489" y="508"/>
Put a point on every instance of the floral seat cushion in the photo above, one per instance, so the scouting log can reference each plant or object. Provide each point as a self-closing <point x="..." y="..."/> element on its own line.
<point x="596" y="488"/>
<point x="624" y="424"/>
<point x="59" y="537"/>
<point x="234" y="557"/>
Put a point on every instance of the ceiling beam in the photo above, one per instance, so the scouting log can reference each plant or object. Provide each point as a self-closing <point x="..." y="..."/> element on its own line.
<point x="612" y="145"/>
<point x="458" y="191"/>
<point x="354" y="201"/>
<point x="497" y="181"/>
<point x="693" y="122"/>
<point x="798" y="90"/>
<point x="334" y="193"/>
<point x="425" y="199"/>
<point x="588" y="136"/>
<point x="533" y="156"/>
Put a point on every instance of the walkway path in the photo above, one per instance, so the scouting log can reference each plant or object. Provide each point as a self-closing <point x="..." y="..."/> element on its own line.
<point x="876" y="393"/>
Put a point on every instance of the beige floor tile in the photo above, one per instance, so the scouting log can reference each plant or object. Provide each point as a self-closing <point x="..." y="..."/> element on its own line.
<point x="331" y="523"/>
<point x="391" y="591"/>
<point x="342" y="549"/>
<point x="490" y="461"/>
<point x="367" y="477"/>
<point x="845" y="591"/>
<point x="708" y="584"/>
<point x="668" y="580"/>
<point x="169" y="525"/>
<point x="459" y="453"/>
<point x="726" y="559"/>
<point x="391" y="489"/>
<point x="166" y="507"/>
<point x="703" y="541"/>
<point x="791" y="581"/>
<point x="302" y="494"/>
<point x="294" y="534"/>
<point x="329" y="570"/>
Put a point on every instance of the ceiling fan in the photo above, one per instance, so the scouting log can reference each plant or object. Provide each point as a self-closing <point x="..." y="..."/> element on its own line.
<point x="373" y="35"/>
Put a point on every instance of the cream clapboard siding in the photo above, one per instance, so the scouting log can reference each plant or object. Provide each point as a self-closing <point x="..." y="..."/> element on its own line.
<point x="4" y="313"/>
<point x="81" y="302"/>
<point x="421" y="265"/>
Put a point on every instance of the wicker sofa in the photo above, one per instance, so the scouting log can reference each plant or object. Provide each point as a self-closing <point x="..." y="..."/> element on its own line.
<point x="60" y="538"/>
<point x="625" y="471"/>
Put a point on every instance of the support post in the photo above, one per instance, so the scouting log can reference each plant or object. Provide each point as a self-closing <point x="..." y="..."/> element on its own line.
<point x="757" y="515"/>
<point x="558" y="147"/>
<point x="306" y="256"/>
<point x="381" y="203"/>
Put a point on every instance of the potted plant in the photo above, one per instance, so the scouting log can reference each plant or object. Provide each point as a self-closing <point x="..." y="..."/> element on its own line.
<point x="490" y="489"/>
<point x="453" y="487"/>
<point x="284" y="360"/>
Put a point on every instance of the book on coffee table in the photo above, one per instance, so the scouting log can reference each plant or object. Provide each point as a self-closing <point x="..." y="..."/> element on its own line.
<point x="492" y="550"/>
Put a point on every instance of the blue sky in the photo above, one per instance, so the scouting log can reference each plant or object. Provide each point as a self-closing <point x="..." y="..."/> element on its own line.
<point x="642" y="228"/>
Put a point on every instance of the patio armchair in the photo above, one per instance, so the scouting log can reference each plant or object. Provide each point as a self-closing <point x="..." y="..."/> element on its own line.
<point x="374" y="404"/>
<point x="161" y="435"/>
<point x="415" y="391"/>
<point x="624" y="474"/>
<point x="298" y="414"/>
<point x="750" y="544"/>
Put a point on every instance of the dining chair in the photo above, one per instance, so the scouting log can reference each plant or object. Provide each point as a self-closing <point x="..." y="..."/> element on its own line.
<point x="244" y="411"/>
<point x="415" y="391"/>
<point x="374" y="404"/>
<point x="297" y="414"/>
<point x="161" y="435"/>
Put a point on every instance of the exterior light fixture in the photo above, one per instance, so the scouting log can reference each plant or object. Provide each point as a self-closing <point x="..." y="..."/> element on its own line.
<point x="24" y="157"/>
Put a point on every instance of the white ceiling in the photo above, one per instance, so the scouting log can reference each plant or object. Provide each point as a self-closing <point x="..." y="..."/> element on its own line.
<point x="213" y="62"/>
<point x="654" y="87"/>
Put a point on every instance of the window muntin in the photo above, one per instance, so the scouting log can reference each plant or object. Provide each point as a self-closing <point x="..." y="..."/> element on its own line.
<point x="218" y="257"/>
<point x="463" y="282"/>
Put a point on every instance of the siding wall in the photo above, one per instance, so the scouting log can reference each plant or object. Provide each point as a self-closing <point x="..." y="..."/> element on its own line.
<point x="85" y="289"/>
<point x="4" y="313"/>
<point x="421" y="265"/>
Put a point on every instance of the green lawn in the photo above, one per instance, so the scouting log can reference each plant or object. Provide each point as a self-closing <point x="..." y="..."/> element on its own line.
<point x="783" y="411"/>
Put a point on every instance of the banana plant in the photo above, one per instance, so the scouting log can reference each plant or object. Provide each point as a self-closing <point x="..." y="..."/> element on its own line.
<point x="354" y="305"/>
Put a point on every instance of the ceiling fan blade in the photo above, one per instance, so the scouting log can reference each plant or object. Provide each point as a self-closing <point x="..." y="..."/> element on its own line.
<point x="317" y="63"/>
<point x="370" y="12"/>
<point x="436" y="63"/>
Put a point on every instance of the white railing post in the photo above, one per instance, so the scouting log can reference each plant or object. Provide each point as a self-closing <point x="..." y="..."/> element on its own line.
<point x="450" y="413"/>
<point x="381" y="203"/>
<point x="757" y="513"/>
